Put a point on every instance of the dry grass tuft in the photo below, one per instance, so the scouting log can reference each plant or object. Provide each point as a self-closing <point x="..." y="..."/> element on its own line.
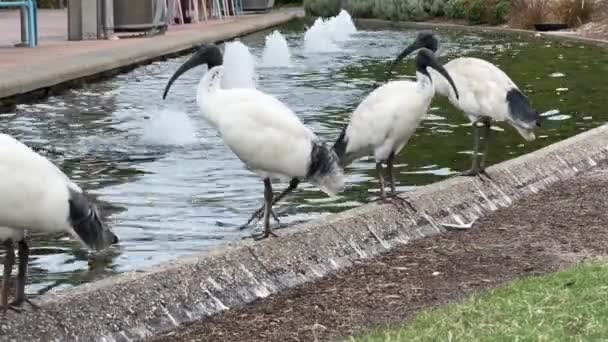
<point x="573" y="12"/>
<point x="526" y="13"/>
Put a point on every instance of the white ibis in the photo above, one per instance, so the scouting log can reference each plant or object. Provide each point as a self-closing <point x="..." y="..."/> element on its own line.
<point x="263" y="133"/>
<point x="387" y="118"/>
<point x="38" y="197"/>
<point x="486" y="94"/>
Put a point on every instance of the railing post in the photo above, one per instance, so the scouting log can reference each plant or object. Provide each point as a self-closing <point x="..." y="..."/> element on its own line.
<point x="23" y="15"/>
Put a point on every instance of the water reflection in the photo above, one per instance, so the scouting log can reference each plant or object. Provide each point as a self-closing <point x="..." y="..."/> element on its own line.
<point x="168" y="185"/>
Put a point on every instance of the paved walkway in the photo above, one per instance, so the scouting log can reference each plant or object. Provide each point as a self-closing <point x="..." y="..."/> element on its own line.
<point x="52" y="27"/>
<point x="57" y="60"/>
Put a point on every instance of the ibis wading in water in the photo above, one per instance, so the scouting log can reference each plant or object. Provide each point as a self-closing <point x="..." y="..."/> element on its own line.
<point x="387" y="118"/>
<point x="486" y="94"/>
<point x="38" y="197"/>
<point x="263" y="133"/>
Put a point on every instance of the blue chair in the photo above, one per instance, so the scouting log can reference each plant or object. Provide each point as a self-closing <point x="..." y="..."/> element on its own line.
<point x="239" y="7"/>
<point x="32" y="18"/>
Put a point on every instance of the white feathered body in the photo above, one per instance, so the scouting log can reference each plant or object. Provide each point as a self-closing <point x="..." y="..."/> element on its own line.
<point x="34" y="191"/>
<point x="387" y="118"/>
<point x="482" y="89"/>
<point x="263" y="132"/>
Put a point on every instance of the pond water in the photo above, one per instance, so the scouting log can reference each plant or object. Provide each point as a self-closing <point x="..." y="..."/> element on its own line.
<point x="169" y="187"/>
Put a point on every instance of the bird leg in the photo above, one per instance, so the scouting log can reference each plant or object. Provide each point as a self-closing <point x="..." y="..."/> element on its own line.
<point x="258" y="214"/>
<point x="474" y="171"/>
<point x="267" y="210"/>
<point x="24" y="254"/>
<point x="9" y="261"/>
<point x="391" y="176"/>
<point x="293" y="184"/>
<point x="486" y="141"/>
<point x="380" y="180"/>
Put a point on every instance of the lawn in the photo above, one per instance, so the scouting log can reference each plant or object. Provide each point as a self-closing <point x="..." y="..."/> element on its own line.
<point x="571" y="305"/>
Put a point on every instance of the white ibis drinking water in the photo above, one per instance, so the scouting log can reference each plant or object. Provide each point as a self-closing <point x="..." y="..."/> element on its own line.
<point x="387" y="118"/>
<point x="486" y="94"/>
<point x="263" y="133"/>
<point x="38" y="197"/>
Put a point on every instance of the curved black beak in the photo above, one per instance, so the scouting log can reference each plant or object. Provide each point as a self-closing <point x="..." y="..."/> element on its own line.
<point x="115" y="239"/>
<point x="206" y="54"/>
<point x="425" y="39"/>
<point x="411" y="48"/>
<point x="426" y="58"/>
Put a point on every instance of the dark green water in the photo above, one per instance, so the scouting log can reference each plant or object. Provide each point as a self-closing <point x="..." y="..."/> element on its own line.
<point x="564" y="77"/>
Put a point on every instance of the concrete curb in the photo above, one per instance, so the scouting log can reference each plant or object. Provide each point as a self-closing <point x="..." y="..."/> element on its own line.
<point x="133" y="306"/>
<point x="36" y="77"/>
<point x="384" y="24"/>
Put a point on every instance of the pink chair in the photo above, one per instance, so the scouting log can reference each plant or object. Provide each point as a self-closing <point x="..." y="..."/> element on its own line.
<point x="192" y="10"/>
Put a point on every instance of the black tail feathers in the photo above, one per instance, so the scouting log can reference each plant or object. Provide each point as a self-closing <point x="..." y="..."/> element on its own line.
<point x="340" y="145"/>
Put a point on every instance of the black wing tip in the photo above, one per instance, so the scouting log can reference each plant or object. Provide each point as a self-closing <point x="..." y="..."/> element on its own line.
<point x="340" y="144"/>
<point x="521" y="107"/>
<point x="323" y="160"/>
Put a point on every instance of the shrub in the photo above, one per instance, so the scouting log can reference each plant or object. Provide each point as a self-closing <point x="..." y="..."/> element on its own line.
<point x="387" y="9"/>
<point x="360" y="8"/>
<point x="525" y="13"/>
<point x="475" y="11"/>
<point x="456" y="9"/>
<point x="434" y="8"/>
<point x="412" y="9"/>
<point x="573" y="12"/>
<point x="287" y="2"/>
<point x="479" y="11"/>
<point x="322" y="8"/>
<point x="500" y="13"/>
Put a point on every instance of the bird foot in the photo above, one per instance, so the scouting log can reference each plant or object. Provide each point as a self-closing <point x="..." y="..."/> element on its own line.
<point x="395" y="199"/>
<point x="257" y="215"/>
<point x="404" y="202"/>
<point x="19" y="302"/>
<point x="264" y="235"/>
<point x="475" y="172"/>
<point x="470" y="173"/>
<point x="5" y="308"/>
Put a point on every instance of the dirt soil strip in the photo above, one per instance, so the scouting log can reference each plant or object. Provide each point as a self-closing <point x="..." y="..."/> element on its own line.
<point x="542" y="233"/>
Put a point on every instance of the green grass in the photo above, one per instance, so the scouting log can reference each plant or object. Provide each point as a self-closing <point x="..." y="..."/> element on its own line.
<point x="567" y="306"/>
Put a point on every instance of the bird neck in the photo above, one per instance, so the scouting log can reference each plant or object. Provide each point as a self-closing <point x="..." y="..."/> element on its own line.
<point x="423" y="79"/>
<point x="441" y="85"/>
<point x="212" y="80"/>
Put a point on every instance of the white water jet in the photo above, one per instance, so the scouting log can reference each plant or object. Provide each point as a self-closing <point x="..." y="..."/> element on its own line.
<point x="169" y="127"/>
<point x="276" y="51"/>
<point x="317" y="39"/>
<point x="323" y="35"/>
<point x="239" y="66"/>
<point x="341" y="27"/>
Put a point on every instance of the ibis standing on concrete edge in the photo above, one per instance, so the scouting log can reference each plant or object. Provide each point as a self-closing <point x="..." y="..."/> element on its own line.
<point x="486" y="94"/>
<point x="387" y="118"/>
<point x="38" y="197"/>
<point x="263" y="133"/>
